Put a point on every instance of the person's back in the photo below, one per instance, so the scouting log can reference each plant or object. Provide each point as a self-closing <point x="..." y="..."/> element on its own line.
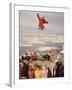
<point x="59" y="69"/>
<point x="49" y="73"/>
<point x="44" y="72"/>
<point x="25" y="70"/>
<point x="30" y="72"/>
<point x="38" y="73"/>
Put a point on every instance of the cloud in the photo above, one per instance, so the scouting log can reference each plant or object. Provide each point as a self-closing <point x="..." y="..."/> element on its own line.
<point x="26" y="45"/>
<point x="30" y="39"/>
<point x="43" y="48"/>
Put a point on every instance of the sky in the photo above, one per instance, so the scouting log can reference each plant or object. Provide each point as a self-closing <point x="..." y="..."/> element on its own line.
<point x="28" y="22"/>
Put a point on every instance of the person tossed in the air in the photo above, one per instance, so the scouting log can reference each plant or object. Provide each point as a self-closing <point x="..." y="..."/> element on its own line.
<point x="41" y="22"/>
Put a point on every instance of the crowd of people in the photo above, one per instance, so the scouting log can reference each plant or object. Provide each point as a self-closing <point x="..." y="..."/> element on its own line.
<point x="27" y="70"/>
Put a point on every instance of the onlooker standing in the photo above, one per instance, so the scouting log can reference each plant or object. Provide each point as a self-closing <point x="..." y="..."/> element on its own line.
<point x="44" y="72"/>
<point x="30" y="71"/>
<point x="38" y="72"/>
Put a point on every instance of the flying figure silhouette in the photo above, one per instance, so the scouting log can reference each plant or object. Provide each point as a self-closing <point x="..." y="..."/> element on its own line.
<point x="41" y="22"/>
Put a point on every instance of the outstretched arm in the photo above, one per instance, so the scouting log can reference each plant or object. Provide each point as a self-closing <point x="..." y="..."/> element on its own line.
<point x="38" y="15"/>
<point x="45" y="21"/>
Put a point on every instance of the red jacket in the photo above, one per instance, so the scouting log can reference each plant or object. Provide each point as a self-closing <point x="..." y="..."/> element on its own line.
<point x="42" y="21"/>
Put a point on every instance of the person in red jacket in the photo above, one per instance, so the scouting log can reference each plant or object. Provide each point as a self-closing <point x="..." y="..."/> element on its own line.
<point x="41" y="21"/>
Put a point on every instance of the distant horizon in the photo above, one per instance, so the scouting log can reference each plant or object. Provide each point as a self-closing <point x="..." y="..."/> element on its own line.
<point x="41" y="33"/>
